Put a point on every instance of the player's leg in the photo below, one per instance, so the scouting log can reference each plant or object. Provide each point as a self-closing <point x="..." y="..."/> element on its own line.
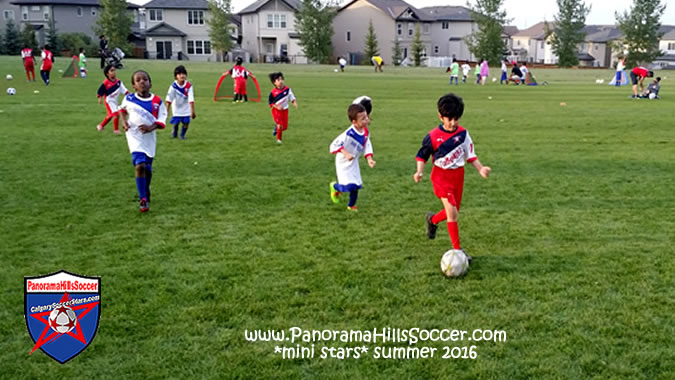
<point x="141" y="181"/>
<point x="353" y="197"/>
<point x="27" y="68"/>
<point x="452" y="215"/>
<point x="148" y="178"/>
<point x="109" y="115"/>
<point x="116" y="123"/>
<point x="183" y="130"/>
<point x="47" y="72"/>
<point x="32" y="71"/>
<point x="334" y="192"/>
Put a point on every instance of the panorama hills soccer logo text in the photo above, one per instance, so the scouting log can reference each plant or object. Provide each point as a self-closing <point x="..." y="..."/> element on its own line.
<point x="62" y="311"/>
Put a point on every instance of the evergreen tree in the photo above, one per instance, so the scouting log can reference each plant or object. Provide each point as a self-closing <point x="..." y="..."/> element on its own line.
<point x="314" y="23"/>
<point x="397" y="53"/>
<point x="12" y="39"/>
<point x="2" y="45"/>
<point x="27" y="37"/>
<point x="641" y="29"/>
<point x="114" y="21"/>
<point x="53" y="38"/>
<point x="371" y="43"/>
<point x="220" y="13"/>
<point x="417" y="48"/>
<point x="487" y="41"/>
<point x="568" y="32"/>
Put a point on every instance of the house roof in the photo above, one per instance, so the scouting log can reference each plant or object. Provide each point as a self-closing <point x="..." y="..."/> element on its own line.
<point x="536" y="31"/>
<point x="666" y="58"/>
<point x="448" y="13"/>
<point x="601" y="33"/>
<point x="256" y="5"/>
<point x="164" y="29"/>
<point x="177" y="4"/>
<point x="585" y="57"/>
<point x="510" y="30"/>
<point x="668" y="32"/>
<point x="396" y="9"/>
<point x="94" y="3"/>
<point x="235" y="19"/>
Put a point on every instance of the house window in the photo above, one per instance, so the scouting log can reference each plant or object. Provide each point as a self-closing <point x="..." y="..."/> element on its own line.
<point x="8" y="14"/>
<point x="207" y="47"/>
<point x="276" y="21"/>
<point x="348" y="37"/>
<point x="191" y="47"/>
<point x="445" y="25"/>
<point x="542" y="44"/>
<point x="436" y="49"/>
<point x="269" y="48"/>
<point x="671" y="45"/>
<point x="426" y="29"/>
<point x="156" y="15"/>
<point x="270" y="21"/>
<point x="411" y="28"/>
<point x="195" y="17"/>
<point x="93" y="11"/>
<point x="518" y="42"/>
<point x="79" y="11"/>
<point x="405" y="52"/>
<point x="399" y="28"/>
<point x="199" y="47"/>
<point x="35" y="8"/>
<point x="45" y="16"/>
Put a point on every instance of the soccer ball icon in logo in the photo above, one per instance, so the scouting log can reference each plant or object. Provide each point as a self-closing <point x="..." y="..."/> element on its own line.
<point x="454" y="263"/>
<point x="62" y="319"/>
<point x="11" y="91"/>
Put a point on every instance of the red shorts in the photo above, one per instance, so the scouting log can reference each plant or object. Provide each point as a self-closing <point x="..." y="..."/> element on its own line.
<point x="240" y="86"/>
<point x="448" y="184"/>
<point x="28" y="65"/>
<point x="280" y="118"/>
<point x="110" y="111"/>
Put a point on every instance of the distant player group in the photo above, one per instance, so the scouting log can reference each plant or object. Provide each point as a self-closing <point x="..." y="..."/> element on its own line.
<point x="519" y="74"/>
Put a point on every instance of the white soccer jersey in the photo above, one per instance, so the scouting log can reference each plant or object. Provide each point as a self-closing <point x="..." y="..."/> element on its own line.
<point x="465" y="69"/>
<point x="348" y="172"/>
<point x="180" y="98"/>
<point x="281" y="97"/>
<point x="523" y="70"/>
<point x="27" y="53"/>
<point x="143" y="111"/>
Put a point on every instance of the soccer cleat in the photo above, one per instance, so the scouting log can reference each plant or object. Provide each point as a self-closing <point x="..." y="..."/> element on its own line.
<point x="279" y="142"/>
<point x="143" y="205"/>
<point x="99" y="127"/>
<point x="431" y="227"/>
<point x="469" y="258"/>
<point x="183" y="138"/>
<point x="352" y="208"/>
<point x="334" y="194"/>
<point x="117" y="131"/>
<point x="274" y="133"/>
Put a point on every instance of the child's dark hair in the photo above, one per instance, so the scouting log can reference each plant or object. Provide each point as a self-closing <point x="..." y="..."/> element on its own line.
<point x="239" y="61"/>
<point x="81" y="50"/>
<point x="354" y="110"/>
<point x="107" y="69"/>
<point x="658" y="79"/>
<point x="180" y="69"/>
<point x="275" y="76"/>
<point x="140" y="71"/>
<point x="451" y="106"/>
<point x="650" y="74"/>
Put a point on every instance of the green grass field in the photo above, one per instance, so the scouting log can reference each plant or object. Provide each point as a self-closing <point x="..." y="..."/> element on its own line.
<point x="572" y="235"/>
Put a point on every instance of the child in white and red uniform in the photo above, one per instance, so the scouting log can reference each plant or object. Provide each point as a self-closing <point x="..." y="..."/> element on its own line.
<point x="278" y="100"/>
<point x="108" y="94"/>
<point x="451" y="147"/>
<point x="28" y="65"/>
<point x="240" y="75"/>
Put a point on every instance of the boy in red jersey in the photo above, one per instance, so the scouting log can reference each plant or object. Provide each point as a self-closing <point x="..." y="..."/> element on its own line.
<point x="27" y="56"/>
<point x="47" y="62"/>
<point x="109" y="93"/>
<point x="637" y="76"/>
<point x="279" y="98"/>
<point x="239" y="75"/>
<point x="451" y="146"/>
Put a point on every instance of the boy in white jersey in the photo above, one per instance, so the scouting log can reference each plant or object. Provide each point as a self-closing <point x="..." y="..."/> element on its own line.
<point x="109" y="93"/>
<point x="142" y="113"/>
<point x="181" y="99"/>
<point x="451" y="147"/>
<point x="279" y="98"/>
<point x="347" y="149"/>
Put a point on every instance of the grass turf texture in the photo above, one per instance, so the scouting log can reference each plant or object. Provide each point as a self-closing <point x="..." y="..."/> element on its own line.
<point x="572" y="234"/>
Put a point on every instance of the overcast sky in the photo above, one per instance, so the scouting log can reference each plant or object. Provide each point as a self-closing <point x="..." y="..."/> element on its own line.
<point x="527" y="13"/>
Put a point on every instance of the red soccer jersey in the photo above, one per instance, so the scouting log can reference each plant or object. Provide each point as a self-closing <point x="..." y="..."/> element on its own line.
<point x="640" y="71"/>
<point x="27" y="55"/>
<point x="47" y="60"/>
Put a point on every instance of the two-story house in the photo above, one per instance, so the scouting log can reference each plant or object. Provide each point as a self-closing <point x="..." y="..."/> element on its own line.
<point x="533" y="43"/>
<point x="268" y="31"/>
<point x="451" y="25"/>
<point x="9" y="12"/>
<point x="596" y="50"/>
<point x="70" y="16"/>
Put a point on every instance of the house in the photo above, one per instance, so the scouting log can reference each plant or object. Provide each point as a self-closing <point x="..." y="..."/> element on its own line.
<point x="70" y="16"/>
<point x="268" y="31"/>
<point x="533" y="44"/>
<point x="177" y="29"/>
<point x="507" y="36"/>
<point x="596" y="50"/>
<point x="451" y="25"/>
<point x="392" y="20"/>
<point x="9" y="12"/>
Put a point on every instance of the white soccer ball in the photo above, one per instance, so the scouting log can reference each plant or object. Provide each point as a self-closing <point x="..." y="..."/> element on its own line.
<point x="494" y="79"/>
<point x="11" y="91"/>
<point x="336" y="70"/>
<point x="9" y="77"/>
<point x="652" y="96"/>
<point x="62" y="319"/>
<point x="454" y="263"/>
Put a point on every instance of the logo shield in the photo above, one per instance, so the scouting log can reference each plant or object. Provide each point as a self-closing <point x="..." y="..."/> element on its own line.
<point x="62" y="311"/>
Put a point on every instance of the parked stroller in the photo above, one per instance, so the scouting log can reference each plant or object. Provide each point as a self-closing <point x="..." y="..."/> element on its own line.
<point x="114" y="57"/>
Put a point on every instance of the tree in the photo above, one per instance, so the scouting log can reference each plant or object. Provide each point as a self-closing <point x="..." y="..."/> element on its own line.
<point x="641" y="29"/>
<point x="371" y="43"/>
<point x="487" y="41"/>
<point x="568" y="31"/>
<point x="397" y="52"/>
<point x="27" y="37"/>
<point x="2" y="45"/>
<point x="53" y="38"/>
<point x="12" y="39"/>
<point x="417" y="48"/>
<point x="314" y="24"/>
<point x="220" y="12"/>
<point x="114" y="21"/>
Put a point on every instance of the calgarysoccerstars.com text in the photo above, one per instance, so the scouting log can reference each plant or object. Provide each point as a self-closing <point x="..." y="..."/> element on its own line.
<point x="409" y="342"/>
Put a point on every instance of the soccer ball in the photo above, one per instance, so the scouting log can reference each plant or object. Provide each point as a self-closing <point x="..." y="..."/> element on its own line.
<point x="652" y="96"/>
<point x="494" y="79"/>
<point x="336" y="70"/>
<point x="11" y="91"/>
<point x="454" y="263"/>
<point x="9" y="77"/>
<point x="62" y="319"/>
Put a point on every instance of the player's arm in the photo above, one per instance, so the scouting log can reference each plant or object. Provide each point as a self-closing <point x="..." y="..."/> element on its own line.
<point x="484" y="171"/>
<point x="293" y="100"/>
<point x="100" y="93"/>
<point x="338" y="146"/>
<point x="124" y="116"/>
<point x="191" y="100"/>
<point x="422" y="157"/>
<point x="368" y="152"/>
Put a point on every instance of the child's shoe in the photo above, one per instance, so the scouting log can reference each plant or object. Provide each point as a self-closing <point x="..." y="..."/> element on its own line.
<point x="117" y="131"/>
<point x="99" y="127"/>
<point x="144" y="206"/>
<point x="431" y="227"/>
<point x="352" y="208"/>
<point x="279" y="142"/>
<point x="334" y="194"/>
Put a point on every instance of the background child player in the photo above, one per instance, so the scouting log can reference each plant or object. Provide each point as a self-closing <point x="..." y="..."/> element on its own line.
<point x="142" y="113"/>
<point x="239" y="75"/>
<point x="465" y="71"/>
<point x="278" y="99"/>
<point x="46" y="65"/>
<point x="451" y="147"/>
<point x="108" y="93"/>
<point x="347" y="148"/>
<point x="28" y="64"/>
<point x="181" y="99"/>
<point x="82" y="63"/>
<point x="454" y="72"/>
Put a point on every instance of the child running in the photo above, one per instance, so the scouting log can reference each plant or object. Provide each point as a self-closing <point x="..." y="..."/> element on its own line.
<point x="278" y="99"/>
<point x="82" y="63"/>
<point x="347" y="148"/>
<point x="28" y="64"/>
<point x="181" y="99"/>
<point x="451" y="147"/>
<point x="108" y="93"/>
<point x="142" y="114"/>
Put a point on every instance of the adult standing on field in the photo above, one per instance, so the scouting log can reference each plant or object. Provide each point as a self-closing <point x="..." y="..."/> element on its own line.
<point x="103" y="49"/>
<point x="637" y="76"/>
